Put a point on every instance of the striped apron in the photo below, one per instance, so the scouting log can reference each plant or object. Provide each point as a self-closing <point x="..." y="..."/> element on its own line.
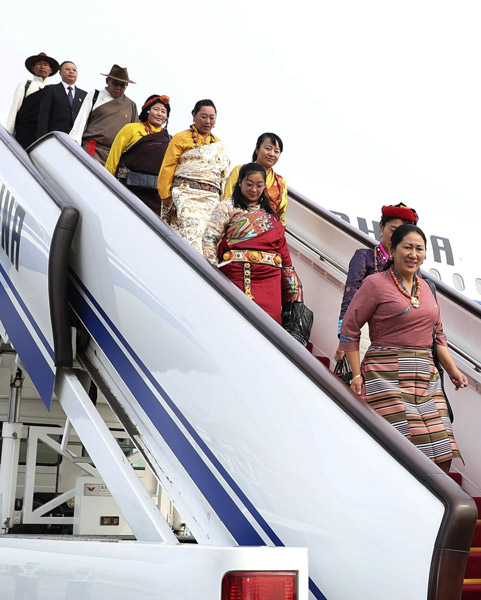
<point x="403" y="386"/>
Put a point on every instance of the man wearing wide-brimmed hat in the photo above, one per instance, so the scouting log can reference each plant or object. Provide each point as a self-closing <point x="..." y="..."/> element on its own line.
<point x="103" y="115"/>
<point x="23" y="116"/>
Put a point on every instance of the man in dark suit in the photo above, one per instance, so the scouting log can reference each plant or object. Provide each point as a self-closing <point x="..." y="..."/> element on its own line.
<point x="61" y="102"/>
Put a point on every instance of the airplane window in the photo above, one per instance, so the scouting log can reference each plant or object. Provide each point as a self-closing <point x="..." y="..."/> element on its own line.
<point x="435" y="273"/>
<point x="478" y="285"/>
<point x="458" y="282"/>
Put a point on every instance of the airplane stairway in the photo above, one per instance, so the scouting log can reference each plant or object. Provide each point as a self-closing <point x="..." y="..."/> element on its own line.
<point x="472" y="577"/>
<point x="248" y="431"/>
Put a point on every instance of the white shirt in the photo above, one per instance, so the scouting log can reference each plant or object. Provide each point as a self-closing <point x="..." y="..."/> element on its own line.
<point x="80" y="124"/>
<point x="66" y="86"/>
<point x="37" y="84"/>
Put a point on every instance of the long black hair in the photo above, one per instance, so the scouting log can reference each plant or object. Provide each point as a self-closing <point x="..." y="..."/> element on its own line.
<point x="273" y="137"/>
<point x="238" y="197"/>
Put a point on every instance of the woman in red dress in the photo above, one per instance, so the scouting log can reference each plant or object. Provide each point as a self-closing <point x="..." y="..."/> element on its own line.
<point x="253" y="251"/>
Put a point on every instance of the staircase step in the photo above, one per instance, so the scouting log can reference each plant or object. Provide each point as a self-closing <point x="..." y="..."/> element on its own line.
<point x="472" y="591"/>
<point x="476" y="543"/>
<point x="325" y="360"/>
<point x="477" y="499"/>
<point x="457" y="477"/>
<point x="472" y="581"/>
<point x="473" y="568"/>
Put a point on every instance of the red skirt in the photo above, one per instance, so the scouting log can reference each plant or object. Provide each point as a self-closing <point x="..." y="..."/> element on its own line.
<point x="264" y="286"/>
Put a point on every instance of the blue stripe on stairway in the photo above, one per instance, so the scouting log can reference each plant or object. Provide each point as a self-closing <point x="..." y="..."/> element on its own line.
<point x="231" y="515"/>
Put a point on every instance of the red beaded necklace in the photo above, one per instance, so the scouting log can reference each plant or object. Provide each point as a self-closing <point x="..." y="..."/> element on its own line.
<point x="402" y="288"/>
<point x="194" y="137"/>
<point x="148" y="128"/>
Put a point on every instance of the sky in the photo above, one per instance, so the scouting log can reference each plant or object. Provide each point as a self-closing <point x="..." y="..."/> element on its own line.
<point x="377" y="102"/>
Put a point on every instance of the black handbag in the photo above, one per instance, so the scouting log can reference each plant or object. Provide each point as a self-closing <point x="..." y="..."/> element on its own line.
<point x="343" y="371"/>
<point x="297" y="319"/>
<point x="133" y="179"/>
<point x="141" y="180"/>
<point x="437" y="364"/>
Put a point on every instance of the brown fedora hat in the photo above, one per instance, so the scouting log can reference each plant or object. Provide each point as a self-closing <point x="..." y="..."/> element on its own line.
<point x="31" y="60"/>
<point x="119" y="73"/>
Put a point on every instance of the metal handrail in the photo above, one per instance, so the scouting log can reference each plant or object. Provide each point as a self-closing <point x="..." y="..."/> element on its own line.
<point x="317" y="252"/>
<point x="467" y="357"/>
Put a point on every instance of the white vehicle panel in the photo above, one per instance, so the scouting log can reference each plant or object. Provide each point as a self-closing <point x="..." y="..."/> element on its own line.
<point x="90" y="570"/>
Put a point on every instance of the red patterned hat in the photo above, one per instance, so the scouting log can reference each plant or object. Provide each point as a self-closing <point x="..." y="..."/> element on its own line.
<point x="400" y="212"/>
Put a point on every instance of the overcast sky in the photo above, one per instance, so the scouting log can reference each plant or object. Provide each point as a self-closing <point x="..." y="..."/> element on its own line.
<point x="377" y="101"/>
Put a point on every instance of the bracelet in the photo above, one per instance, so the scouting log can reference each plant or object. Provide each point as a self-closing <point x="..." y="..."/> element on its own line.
<point x="356" y="376"/>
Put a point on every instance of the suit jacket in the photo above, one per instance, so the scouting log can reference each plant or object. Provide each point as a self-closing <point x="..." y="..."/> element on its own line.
<point x="56" y="114"/>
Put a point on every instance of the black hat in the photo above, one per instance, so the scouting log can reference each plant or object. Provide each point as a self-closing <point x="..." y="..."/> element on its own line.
<point x="31" y="60"/>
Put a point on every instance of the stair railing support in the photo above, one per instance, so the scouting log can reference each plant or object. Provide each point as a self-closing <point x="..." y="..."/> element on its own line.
<point x="12" y="432"/>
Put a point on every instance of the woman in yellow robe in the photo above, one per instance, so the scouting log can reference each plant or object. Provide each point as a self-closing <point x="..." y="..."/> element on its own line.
<point x="192" y="176"/>
<point x="268" y="150"/>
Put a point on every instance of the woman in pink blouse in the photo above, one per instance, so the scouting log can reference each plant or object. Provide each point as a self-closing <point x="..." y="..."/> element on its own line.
<point x="398" y="377"/>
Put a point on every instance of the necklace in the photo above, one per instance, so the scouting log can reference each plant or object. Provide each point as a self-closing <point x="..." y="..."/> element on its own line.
<point x="148" y="128"/>
<point x="194" y="137"/>
<point x="379" y="253"/>
<point x="414" y="297"/>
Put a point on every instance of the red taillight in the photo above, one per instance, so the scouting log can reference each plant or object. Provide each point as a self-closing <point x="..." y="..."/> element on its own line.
<point x="260" y="585"/>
